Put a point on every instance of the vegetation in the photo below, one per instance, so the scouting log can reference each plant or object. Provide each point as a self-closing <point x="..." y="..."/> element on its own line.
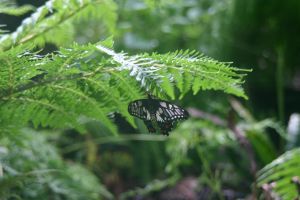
<point x="69" y="69"/>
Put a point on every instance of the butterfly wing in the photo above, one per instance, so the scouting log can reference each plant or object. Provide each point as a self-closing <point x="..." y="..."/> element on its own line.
<point x="139" y="109"/>
<point x="167" y="115"/>
<point x="166" y="127"/>
<point x="170" y="112"/>
<point x="161" y="113"/>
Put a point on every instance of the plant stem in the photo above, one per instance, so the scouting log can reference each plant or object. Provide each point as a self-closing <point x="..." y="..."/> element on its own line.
<point x="279" y="83"/>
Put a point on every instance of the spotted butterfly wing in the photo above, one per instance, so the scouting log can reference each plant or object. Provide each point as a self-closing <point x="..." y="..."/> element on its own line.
<point x="164" y="127"/>
<point x="157" y="114"/>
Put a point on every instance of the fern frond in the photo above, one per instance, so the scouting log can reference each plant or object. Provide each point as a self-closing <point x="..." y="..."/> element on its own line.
<point x="112" y="96"/>
<point x="44" y="171"/>
<point x="9" y="8"/>
<point x="142" y="69"/>
<point x="80" y="83"/>
<point x="45" y="112"/>
<point x="281" y="171"/>
<point x="185" y="69"/>
<point x="55" y="18"/>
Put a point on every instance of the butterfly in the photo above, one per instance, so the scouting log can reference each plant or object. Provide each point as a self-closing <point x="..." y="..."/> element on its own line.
<point x="157" y="114"/>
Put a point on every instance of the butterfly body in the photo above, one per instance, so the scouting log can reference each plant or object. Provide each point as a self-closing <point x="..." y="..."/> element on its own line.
<point x="157" y="114"/>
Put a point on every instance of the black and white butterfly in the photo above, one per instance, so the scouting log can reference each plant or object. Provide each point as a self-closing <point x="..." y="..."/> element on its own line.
<point x="157" y="114"/>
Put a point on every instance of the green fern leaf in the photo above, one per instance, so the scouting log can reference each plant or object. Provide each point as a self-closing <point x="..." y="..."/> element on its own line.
<point x="56" y="17"/>
<point x="182" y="68"/>
<point x="9" y="8"/>
<point x="80" y="83"/>
<point x="281" y="171"/>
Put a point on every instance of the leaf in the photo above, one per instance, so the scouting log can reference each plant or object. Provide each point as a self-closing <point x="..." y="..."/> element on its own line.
<point x="57" y="17"/>
<point x="183" y="69"/>
<point x="281" y="171"/>
<point x="168" y="87"/>
<point x="87" y="82"/>
<point x="11" y="9"/>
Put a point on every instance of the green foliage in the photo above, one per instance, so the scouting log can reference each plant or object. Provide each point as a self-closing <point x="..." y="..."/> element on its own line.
<point x="263" y="146"/>
<point x="181" y="142"/>
<point x="256" y="133"/>
<point x="52" y="22"/>
<point x="66" y="88"/>
<point x="154" y="186"/>
<point x="281" y="171"/>
<point x="78" y="84"/>
<point x="62" y="89"/>
<point x="175" y="24"/>
<point x="32" y="162"/>
<point x="48" y="101"/>
<point x="9" y="7"/>
<point x="184" y="69"/>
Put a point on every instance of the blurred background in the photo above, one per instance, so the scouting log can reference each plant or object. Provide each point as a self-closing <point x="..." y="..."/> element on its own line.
<point x="202" y="159"/>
